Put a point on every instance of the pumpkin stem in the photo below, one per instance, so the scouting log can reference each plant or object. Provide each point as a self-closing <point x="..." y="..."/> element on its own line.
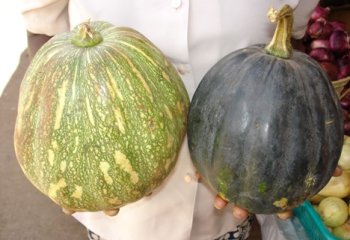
<point x="280" y="45"/>
<point x="85" y="36"/>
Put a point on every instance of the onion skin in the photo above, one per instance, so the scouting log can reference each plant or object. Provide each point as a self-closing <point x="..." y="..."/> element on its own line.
<point x="320" y="12"/>
<point x="337" y="186"/>
<point x="339" y="41"/>
<point x="320" y="43"/>
<point x="331" y="69"/>
<point x="343" y="231"/>
<point x="320" y="29"/>
<point x="322" y="54"/>
<point x="344" y="160"/>
<point x="328" y="41"/>
<point x="333" y="211"/>
<point x="338" y="25"/>
<point x="344" y="66"/>
<point x="345" y="103"/>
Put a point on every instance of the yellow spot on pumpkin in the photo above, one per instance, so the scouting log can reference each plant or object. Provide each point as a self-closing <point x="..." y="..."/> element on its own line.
<point x="89" y="111"/>
<point x="63" y="166"/>
<point x="54" y="187"/>
<point x="74" y="84"/>
<point x="104" y="167"/>
<point x="170" y="141"/>
<point x="310" y="180"/>
<point x="165" y="76"/>
<point x="134" y="69"/>
<point x="114" y="85"/>
<point x="60" y="105"/>
<point x="28" y="102"/>
<point x="142" y="79"/>
<point x="120" y="120"/>
<point x="282" y="203"/>
<point x="124" y="163"/>
<point x="139" y="50"/>
<point x="78" y="192"/>
<point x="115" y="201"/>
<point x="180" y="106"/>
<point x="168" y="112"/>
<point x="51" y="156"/>
<point x="54" y="144"/>
<point x="76" y="140"/>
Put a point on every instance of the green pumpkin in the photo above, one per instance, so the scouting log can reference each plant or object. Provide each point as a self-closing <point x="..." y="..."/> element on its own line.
<point x="265" y="125"/>
<point x="102" y="115"/>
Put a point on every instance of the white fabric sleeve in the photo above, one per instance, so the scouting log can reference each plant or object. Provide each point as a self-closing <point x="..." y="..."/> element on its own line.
<point x="302" y="13"/>
<point x="45" y="16"/>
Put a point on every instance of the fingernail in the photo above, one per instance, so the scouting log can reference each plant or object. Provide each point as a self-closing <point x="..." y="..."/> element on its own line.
<point x="239" y="213"/>
<point x="219" y="203"/>
<point x="284" y="215"/>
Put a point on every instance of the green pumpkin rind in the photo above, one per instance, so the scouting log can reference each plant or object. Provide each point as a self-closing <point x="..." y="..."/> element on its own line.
<point x="265" y="132"/>
<point x="99" y="127"/>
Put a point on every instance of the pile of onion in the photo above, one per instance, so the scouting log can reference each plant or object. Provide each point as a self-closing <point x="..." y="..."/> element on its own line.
<point x="328" y="43"/>
<point x="334" y="213"/>
<point x="332" y="202"/>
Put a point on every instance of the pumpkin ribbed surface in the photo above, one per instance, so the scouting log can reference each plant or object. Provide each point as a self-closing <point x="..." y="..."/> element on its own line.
<point x="265" y="125"/>
<point x="100" y="126"/>
<point x="266" y="133"/>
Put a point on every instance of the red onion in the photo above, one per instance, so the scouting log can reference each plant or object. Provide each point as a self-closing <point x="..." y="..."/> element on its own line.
<point x="320" y="29"/>
<point x="345" y="103"/>
<point x="339" y="41"/>
<point x="319" y="12"/>
<point x="319" y="43"/>
<point x="331" y="69"/>
<point x="321" y="55"/>
<point x="338" y="25"/>
<point x="344" y="66"/>
<point x="346" y="116"/>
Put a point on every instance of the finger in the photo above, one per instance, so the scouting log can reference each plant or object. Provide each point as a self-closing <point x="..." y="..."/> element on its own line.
<point x="111" y="212"/>
<point x="285" y="214"/>
<point x="240" y="213"/>
<point x="68" y="211"/>
<point x="338" y="171"/>
<point x="219" y="203"/>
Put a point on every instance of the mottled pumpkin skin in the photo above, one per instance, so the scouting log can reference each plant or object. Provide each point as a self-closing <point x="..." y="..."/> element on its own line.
<point x="100" y="127"/>
<point x="265" y="132"/>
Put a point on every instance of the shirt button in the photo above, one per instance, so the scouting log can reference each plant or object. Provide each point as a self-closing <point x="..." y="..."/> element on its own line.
<point x="188" y="178"/>
<point x="176" y="3"/>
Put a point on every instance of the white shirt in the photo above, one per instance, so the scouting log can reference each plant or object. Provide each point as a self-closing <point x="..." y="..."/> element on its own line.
<point x="194" y="35"/>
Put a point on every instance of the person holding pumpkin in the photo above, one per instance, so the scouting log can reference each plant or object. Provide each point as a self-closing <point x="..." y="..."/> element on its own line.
<point x="194" y="35"/>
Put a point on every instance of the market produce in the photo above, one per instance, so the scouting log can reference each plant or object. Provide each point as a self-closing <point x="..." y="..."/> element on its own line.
<point x="265" y="125"/>
<point x="342" y="231"/>
<point x="328" y="43"/>
<point x="102" y="115"/>
<point x="337" y="186"/>
<point x="344" y="160"/>
<point x="333" y="211"/>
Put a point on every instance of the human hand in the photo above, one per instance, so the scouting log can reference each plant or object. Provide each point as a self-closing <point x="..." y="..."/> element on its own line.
<point x="240" y="213"/>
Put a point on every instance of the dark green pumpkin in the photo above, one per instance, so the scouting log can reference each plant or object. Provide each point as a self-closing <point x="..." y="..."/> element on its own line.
<point x="102" y="115"/>
<point x="265" y="126"/>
